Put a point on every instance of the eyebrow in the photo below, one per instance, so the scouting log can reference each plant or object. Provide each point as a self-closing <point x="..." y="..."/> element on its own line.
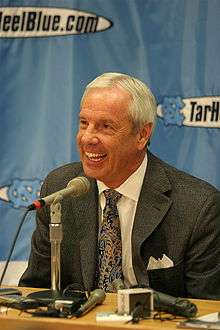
<point x="104" y="119"/>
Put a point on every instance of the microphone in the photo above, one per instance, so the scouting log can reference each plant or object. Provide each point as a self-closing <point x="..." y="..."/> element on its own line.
<point x="96" y="297"/>
<point x="118" y="284"/>
<point x="75" y="187"/>
<point x="173" y="305"/>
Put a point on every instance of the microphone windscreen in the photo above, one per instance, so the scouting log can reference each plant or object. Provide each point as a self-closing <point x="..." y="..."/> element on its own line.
<point x="118" y="284"/>
<point x="81" y="184"/>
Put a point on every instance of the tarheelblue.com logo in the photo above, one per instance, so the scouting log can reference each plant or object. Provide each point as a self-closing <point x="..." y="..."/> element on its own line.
<point x="194" y="111"/>
<point x="26" y="22"/>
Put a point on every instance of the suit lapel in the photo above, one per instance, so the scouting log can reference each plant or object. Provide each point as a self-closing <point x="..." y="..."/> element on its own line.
<point x="152" y="207"/>
<point x="87" y="214"/>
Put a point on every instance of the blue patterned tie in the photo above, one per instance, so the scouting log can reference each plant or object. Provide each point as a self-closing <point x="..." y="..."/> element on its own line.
<point x="110" y="246"/>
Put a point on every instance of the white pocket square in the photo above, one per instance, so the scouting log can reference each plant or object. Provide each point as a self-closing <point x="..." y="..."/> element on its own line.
<point x="164" y="262"/>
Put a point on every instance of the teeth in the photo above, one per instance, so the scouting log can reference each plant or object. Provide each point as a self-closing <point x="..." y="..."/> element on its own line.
<point x="93" y="156"/>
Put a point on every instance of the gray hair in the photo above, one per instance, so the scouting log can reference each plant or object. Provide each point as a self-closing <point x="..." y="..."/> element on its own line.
<point x="143" y="109"/>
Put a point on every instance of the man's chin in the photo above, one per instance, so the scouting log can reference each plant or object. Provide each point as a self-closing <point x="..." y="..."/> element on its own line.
<point x="92" y="173"/>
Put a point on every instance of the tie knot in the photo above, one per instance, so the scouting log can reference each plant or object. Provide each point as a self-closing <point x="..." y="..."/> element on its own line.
<point x="112" y="196"/>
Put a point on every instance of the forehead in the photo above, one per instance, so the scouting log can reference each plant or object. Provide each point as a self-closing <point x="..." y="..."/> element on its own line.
<point x="106" y="102"/>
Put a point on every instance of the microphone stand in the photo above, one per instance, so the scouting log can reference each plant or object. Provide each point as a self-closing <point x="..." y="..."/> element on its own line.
<point x="56" y="236"/>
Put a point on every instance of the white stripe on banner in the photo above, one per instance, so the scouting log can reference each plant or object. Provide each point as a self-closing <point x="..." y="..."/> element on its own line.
<point x="14" y="271"/>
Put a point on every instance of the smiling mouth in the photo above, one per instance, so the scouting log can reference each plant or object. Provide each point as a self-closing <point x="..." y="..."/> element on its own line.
<point x="94" y="156"/>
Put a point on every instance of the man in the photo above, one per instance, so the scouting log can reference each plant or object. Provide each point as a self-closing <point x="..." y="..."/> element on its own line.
<point x="169" y="220"/>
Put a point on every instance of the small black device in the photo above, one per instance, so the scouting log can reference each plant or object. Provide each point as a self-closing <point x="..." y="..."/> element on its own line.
<point x="10" y="291"/>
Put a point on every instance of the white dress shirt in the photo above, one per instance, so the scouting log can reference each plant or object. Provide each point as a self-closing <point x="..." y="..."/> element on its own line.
<point x="130" y="191"/>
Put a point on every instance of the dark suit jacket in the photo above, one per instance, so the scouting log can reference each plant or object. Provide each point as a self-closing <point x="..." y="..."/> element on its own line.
<point x="177" y="215"/>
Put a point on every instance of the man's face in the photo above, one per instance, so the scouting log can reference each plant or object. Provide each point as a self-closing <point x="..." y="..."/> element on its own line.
<point x="109" y="148"/>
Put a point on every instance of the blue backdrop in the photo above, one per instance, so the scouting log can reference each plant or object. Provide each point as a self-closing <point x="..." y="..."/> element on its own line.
<point x="50" y="50"/>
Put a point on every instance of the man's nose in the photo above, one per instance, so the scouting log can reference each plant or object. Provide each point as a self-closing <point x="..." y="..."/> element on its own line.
<point x="89" y="136"/>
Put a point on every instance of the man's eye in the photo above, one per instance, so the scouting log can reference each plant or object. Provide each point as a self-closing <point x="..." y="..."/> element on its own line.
<point x="107" y="126"/>
<point x="83" y="123"/>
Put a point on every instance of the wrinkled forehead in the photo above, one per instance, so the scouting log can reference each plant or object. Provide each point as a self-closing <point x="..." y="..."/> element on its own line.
<point x="106" y="99"/>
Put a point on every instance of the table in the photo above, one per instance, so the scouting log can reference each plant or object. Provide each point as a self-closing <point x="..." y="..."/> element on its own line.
<point x="14" y="319"/>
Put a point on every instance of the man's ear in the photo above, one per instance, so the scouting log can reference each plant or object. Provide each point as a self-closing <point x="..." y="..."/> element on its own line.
<point x="144" y="135"/>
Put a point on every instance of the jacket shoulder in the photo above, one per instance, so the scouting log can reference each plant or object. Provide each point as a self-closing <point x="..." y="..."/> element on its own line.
<point x="181" y="180"/>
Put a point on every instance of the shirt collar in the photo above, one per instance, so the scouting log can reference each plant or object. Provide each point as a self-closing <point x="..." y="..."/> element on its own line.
<point x="131" y="188"/>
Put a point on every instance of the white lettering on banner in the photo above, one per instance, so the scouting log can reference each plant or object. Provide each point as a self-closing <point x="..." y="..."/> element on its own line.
<point x="194" y="112"/>
<point x="48" y="21"/>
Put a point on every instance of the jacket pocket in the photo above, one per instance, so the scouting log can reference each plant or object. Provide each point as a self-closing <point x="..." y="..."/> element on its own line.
<point x="168" y="280"/>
